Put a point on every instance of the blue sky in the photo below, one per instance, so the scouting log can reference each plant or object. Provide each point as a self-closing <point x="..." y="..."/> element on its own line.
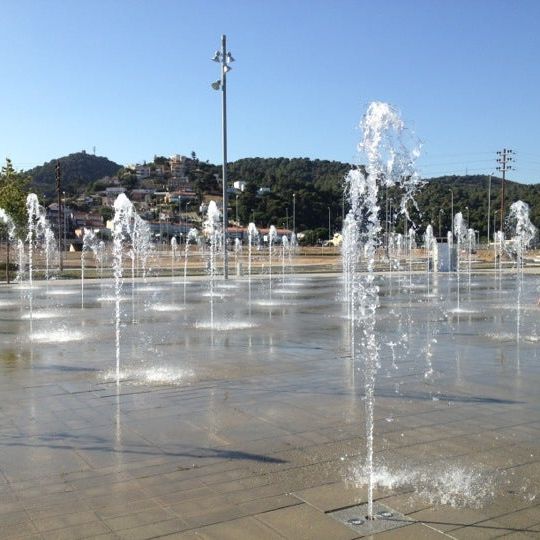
<point x="132" y="78"/>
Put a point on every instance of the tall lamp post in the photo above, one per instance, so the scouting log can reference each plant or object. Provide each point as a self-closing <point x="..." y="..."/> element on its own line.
<point x="224" y="58"/>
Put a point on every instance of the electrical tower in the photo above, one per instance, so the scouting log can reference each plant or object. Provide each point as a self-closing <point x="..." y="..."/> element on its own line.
<point x="58" y="170"/>
<point x="504" y="157"/>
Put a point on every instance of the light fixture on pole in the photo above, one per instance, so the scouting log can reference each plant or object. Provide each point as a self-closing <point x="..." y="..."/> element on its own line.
<point x="224" y="58"/>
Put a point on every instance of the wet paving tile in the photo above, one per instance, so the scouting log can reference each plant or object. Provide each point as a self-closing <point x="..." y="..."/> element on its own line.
<point x="266" y="435"/>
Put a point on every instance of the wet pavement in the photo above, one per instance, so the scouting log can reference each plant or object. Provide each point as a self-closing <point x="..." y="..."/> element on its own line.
<point x="254" y="428"/>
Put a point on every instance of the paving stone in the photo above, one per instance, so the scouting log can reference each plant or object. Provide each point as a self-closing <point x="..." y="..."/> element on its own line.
<point x="305" y="522"/>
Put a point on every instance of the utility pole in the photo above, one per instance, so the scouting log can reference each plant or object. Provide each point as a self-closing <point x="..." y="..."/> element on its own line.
<point x="503" y="159"/>
<point x="58" y="170"/>
<point x="224" y="58"/>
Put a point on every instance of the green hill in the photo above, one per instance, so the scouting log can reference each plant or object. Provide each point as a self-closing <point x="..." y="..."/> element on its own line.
<point x="78" y="170"/>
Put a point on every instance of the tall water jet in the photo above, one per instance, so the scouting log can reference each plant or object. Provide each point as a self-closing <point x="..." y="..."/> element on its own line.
<point x="253" y="236"/>
<point x="192" y="236"/>
<point x="174" y="247"/>
<point x="237" y="255"/>
<point x="499" y="249"/>
<point x="524" y="234"/>
<point x="272" y="239"/>
<point x="471" y="242"/>
<point x="349" y="255"/>
<point x="411" y="244"/>
<point x="285" y="252"/>
<point x="450" y="246"/>
<point x="33" y="213"/>
<point x="430" y="244"/>
<point x="391" y="163"/>
<point x="89" y="244"/>
<point x="460" y="231"/>
<point x="122" y="230"/>
<point x="141" y="244"/>
<point x="212" y="230"/>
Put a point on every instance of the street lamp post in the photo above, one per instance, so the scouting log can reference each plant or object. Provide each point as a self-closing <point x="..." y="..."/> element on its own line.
<point x="225" y="58"/>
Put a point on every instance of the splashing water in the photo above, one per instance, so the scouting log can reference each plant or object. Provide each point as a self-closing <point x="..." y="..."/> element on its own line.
<point x="253" y="237"/>
<point x="237" y="255"/>
<point x="122" y="231"/>
<point x="174" y="247"/>
<point x="285" y="249"/>
<point x="192" y="236"/>
<point x="471" y="244"/>
<point x="272" y="239"/>
<point x="212" y="228"/>
<point x="525" y="232"/>
<point x="90" y="243"/>
<point x="430" y="245"/>
<point x="460" y="231"/>
<point x="5" y="218"/>
<point x="452" y="484"/>
<point x="391" y="162"/>
<point x="141" y="244"/>
<point x="349" y="255"/>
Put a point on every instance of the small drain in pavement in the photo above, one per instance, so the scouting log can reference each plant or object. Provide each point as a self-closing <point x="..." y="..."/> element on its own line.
<point x="384" y="514"/>
<point x="384" y="518"/>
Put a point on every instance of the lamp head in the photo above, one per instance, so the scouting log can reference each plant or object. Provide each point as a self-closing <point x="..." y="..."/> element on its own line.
<point x="216" y="85"/>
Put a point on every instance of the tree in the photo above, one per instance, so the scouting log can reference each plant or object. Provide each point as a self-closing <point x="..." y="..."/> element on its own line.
<point x="13" y="193"/>
<point x="107" y="213"/>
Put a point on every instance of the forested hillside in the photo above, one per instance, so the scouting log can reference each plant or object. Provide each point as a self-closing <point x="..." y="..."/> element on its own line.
<point x="310" y="190"/>
<point x="78" y="171"/>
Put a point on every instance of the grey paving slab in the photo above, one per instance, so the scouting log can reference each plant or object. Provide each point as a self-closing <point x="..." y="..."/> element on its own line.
<point x="259" y="430"/>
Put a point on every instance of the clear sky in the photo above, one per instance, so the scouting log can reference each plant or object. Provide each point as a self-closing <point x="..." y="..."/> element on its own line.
<point x="132" y="78"/>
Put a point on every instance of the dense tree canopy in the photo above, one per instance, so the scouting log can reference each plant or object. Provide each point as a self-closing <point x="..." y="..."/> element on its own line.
<point x="79" y="170"/>
<point x="13" y="192"/>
